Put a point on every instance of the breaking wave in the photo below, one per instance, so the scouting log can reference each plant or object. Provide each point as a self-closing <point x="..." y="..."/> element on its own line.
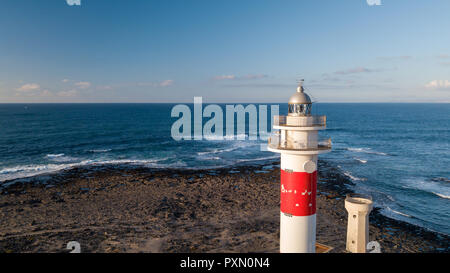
<point x="100" y="150"/>
<point x="236" y="146"/>
<point x="231" y="137"/>
<point x="398" y="212"/>
<point x="60" y="158"/>
<point x="366" y="150"/>
<point x="26" y="171"/>
<point x="442" y="195"/>
<point x="54" y="155"/>
<point x="352" y="177"/>
<point x="259" y="159"/>
<point x="430" y="186"/>
<point x="363" y="161"/>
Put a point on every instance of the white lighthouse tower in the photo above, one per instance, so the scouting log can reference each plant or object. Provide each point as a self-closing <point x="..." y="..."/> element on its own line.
<point x="298" y="143"/>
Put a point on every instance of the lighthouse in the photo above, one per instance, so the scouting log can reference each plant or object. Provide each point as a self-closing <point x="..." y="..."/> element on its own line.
<point x="296" y="138"/>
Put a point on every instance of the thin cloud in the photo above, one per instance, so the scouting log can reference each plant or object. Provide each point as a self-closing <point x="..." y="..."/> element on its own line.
<point x="352" y="85"/>
<point x="257" y="76"/>
<point x="225" y="77"/>
<point x="245" y="77"/>
<point x="29" y="87"/>
<point x="395" y="58"/>
<point x="104" y="87"/>
<point x="443" y="56"/>
<point x="83" y="85"/>
<point x="260" y="85"/>
<point x="45" y="93"/>
<point x="164" y="83"/>
<point x="356" y="71"/>
<point x="65" y="80"/>
<point x="438" y="85"/>
<point x="69" y="93"/>
<point x="326" y="78"/>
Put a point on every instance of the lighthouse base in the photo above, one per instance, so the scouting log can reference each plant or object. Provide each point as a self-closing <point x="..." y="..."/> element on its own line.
<point x="297" y="233"/>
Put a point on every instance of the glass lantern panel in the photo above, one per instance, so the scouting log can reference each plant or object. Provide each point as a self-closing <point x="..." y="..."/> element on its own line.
<point x="300" y="109"/>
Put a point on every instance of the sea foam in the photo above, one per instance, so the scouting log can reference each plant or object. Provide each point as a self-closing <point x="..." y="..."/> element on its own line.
<point x="398" y="212"/>
<point x="25" y="171"/>
<point x="366" y="150"/>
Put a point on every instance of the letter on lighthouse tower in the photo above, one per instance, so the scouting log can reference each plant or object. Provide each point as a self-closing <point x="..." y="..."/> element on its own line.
<point x="298" y="143"/>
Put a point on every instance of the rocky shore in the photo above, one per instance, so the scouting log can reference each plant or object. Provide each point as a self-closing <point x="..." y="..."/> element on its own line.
<point x="129" y="209"/>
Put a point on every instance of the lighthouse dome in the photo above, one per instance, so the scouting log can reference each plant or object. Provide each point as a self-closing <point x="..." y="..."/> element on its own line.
<point x="300" y="102"/>
<point x="300" y="97"/>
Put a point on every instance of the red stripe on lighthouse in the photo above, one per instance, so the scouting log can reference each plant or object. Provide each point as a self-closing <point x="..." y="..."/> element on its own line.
<point x="298" y="193"/>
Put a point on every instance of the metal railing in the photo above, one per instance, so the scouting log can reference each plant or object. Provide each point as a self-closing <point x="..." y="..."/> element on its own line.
<point x="276" y="142"/>
<point x="300" y="121"/>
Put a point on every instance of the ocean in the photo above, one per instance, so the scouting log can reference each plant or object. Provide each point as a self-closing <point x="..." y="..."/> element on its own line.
<point x="397" y="153"/>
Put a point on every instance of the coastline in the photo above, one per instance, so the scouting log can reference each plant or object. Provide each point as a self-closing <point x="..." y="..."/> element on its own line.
<point x="116" y="208"/>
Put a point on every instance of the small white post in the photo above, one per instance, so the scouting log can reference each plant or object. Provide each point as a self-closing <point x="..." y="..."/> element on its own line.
<point x="358" y="208"/>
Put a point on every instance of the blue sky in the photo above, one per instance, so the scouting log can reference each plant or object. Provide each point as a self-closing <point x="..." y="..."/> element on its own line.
<point x="224" y="50"/>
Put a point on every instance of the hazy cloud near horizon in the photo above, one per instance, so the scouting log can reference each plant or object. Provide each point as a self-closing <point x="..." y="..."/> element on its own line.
<point x="439" y="84"/>
<point x="28" y="87"/>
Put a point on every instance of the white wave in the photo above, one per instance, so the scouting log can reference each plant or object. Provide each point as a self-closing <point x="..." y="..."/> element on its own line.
<point x="61" y="158"/>
<point x="442" y="195"/>
<point x="54" y="155"/>
<point x="178" y="164"/>
<point x="32" y="170"/>
<point x="128" y="161"/>
<point x="398" y="212"/>
<point x="100" y="150"/>
<point x="352" y="177"/>
<point x="226" y="137"/>
<point x="430" y="186"/>
<point x="230" y="149"/>
<point x="211" y="158"/>
<point x="258" y="159"/>
<point x="389" y="197"/>
<point x="361" y="160"/>
<point x="26" y="171"/>
<point x="366" y="150"/>
<point x="216" y="151"/>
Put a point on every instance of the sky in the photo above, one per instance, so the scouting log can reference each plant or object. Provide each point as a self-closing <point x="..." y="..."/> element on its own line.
<point x="103" y="51"/>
